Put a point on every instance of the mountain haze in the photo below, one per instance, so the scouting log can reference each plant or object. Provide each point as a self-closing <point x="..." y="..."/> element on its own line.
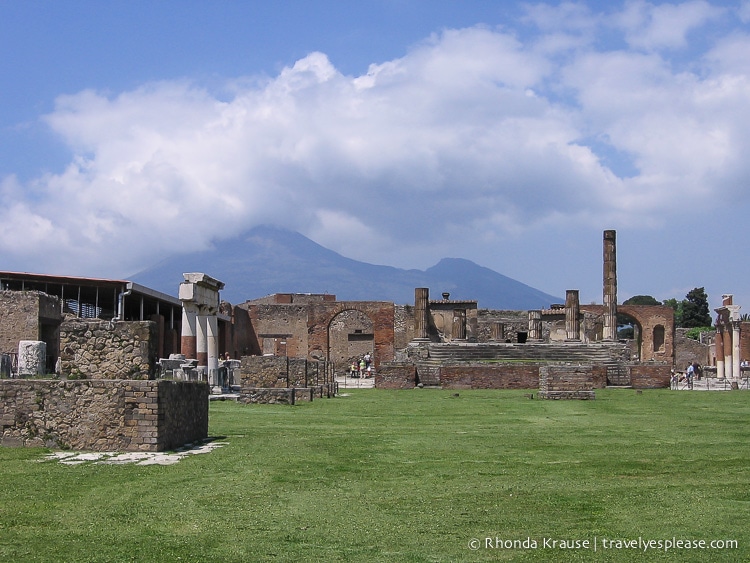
<point x="267" y="260"/>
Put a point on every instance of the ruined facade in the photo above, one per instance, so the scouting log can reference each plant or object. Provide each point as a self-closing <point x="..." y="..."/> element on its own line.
<point x="318" y="327"/>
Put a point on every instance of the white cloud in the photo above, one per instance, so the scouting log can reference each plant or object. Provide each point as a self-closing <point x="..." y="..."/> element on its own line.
<point x="649" y="26"/>
<point x="476" y="132"/>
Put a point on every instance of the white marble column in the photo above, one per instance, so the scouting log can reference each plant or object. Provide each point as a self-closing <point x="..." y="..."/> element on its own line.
<point x="736" y="374"/>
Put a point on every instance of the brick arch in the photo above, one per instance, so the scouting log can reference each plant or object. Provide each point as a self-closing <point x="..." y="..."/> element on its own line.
<point x="380" y="313"/>
<point x="652" y="319"/>
<point x="352" y="338"/>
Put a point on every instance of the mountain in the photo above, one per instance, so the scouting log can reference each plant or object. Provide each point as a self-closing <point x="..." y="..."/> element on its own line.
<point x="267" y="260"/>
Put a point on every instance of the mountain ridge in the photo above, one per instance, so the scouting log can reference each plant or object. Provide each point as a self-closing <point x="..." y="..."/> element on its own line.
<point x="268" y="259"/>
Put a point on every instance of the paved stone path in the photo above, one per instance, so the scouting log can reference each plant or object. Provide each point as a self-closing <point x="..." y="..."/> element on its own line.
<point x="346" y="382"/>
<point x="138" y="458"/>
<point x="712" y="384"/>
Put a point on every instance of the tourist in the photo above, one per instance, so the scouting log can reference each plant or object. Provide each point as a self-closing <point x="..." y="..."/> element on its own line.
<point x="689" y="372"/>
<point x="697" y="371"/>
<point x="362" y="366"/>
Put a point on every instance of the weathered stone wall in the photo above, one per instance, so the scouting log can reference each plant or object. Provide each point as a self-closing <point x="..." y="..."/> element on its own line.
<point x="403" y="326"/>
<point x="650" y="375"/>
<point x="566" y="382"/>
<point x="94" y="349"/>
<point x="513" y="322"/>
<point x="103" y="415"/>
<point x="396" y="375"/>
<point x="23" y="313"/>
<point x="297" y="372"/>
<point x="687" y="350"/>
<point x="280" y="372"/>
<point x="263" y="372"/>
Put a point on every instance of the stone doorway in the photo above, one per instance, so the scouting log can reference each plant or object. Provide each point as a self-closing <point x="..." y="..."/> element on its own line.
<point x="350" y="336"/>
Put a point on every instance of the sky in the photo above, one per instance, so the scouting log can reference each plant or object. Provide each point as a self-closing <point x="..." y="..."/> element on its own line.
<point x="395" y="132"/>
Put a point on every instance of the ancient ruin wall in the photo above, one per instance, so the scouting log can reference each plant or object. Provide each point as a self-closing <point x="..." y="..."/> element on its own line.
<point x="21" y="313"/>
<point x="94" y="349"/>
<point x="566" y="382"/>
<point x="688" y="350"/>
<point x="649" y="375"/>
<point x="103" y="415"/>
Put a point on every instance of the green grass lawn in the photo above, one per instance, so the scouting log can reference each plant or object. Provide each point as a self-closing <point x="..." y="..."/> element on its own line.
<point x="406" y="476"/>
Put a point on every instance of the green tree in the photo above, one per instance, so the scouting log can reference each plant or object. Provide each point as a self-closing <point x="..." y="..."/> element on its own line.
<point x="695" y="309"/>
<point x="677" y="307"/>
<point x="641" y="300"/>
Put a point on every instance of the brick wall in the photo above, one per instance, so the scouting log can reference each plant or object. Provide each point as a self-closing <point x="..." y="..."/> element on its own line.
<point x="103" y="415"/>
<point x="490" y="376"/>
<point x="95" y="349"/>
<point x="396" y="376"/>
<point x="650" y="375"/>
<point x="566" y="382"/>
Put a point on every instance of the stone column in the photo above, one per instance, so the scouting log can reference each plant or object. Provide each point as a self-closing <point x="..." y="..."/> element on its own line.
<point x="610" y="285"/>
<point x="498" y="331"/>
<point x="212" y="345"/>
<point x="572" y="315"/>
<point x="199" y="294"/>
<point x="535" y="325"/>
<point x="421" y="312"/>
<point x="719" y="350"/>
<point x="736" y="360"/>
<point x="201" y="345"/>
<point x="187" y="338"/>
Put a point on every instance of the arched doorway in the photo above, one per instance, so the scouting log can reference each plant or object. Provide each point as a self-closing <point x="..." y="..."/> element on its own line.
<point x="350" y="336"/>
<point x="630" y="330"/>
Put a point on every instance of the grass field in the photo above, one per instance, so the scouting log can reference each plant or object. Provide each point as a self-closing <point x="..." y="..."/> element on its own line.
<point x="411" y="476"/>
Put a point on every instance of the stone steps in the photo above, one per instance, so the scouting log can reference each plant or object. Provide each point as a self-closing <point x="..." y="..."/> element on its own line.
<point x="559" y="353"/>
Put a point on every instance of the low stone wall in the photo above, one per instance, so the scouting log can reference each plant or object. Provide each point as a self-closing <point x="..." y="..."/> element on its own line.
<point x="285" y="395"/>
<point x="281" y="372"/>
<point x="95" y="349"/>
<point x="480" y="375"/>
<point x="103" y="415"/>
<point x="650" y="375"/>
<point x="396" y="376"/>
<point x="566" y="382"/>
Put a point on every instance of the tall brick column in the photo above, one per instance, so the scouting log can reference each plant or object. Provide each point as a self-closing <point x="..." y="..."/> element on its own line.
<point x="572" y="312"/>
<point x="187" y="338"/>
<point x="610" y="285"/>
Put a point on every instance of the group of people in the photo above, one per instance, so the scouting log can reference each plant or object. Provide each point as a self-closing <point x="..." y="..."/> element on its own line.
<point x="361" y="367"/>
<point x="692" y="372"/>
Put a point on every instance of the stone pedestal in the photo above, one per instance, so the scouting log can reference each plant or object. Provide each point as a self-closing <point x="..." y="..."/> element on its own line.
<point x="31" y="358"/>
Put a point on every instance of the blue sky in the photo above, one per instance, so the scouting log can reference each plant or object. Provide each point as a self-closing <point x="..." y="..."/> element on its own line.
<point x="394" y="132"/>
